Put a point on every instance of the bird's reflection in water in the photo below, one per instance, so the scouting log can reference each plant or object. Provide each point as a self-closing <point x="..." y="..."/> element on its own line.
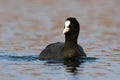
<point x="72" y="65"/>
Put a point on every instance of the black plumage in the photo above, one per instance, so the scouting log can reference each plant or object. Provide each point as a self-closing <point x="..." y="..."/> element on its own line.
<point x="68" y="50"/>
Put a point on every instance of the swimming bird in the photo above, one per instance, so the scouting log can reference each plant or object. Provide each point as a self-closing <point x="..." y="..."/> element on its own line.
<point x="68" y="50"/>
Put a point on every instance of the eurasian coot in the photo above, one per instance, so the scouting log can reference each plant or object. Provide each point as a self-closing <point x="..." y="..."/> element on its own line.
<point x="68" y="50"/>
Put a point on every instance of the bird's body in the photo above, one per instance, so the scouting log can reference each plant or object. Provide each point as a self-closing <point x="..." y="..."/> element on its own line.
<point x="68" y="50"/>
<point x="55" y="51"/>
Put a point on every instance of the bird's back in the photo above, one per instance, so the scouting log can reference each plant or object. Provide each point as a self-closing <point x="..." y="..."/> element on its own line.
<point x="52" y="51"/>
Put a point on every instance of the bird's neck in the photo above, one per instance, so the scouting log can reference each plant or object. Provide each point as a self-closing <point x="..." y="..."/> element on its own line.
<point x="70" y="42"/>
<point x="70" y="48"/>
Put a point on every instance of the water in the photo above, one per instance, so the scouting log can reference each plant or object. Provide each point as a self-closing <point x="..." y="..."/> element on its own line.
<point x="27" y="26"/>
